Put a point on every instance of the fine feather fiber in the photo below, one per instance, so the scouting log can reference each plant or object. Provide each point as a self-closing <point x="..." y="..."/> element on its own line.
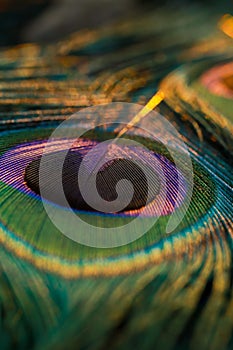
<point x="163" y="290"/>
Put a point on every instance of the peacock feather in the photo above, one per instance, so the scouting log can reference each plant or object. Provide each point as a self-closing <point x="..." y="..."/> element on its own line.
<point x="163" y="290"/>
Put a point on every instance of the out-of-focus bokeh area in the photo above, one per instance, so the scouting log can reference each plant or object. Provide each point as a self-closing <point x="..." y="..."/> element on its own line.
<point x="51" y="20"/>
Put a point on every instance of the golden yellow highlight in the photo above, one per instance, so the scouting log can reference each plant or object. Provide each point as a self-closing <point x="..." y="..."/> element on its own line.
<point x="71" y="270"/>
<point x="226" y="25"/>
<point x="153" y="102"/>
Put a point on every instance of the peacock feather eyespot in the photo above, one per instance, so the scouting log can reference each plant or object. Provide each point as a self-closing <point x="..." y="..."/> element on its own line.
<point x="167" y="288"/>
<point x="204" y="90"/>
<point x="48" y="249"/>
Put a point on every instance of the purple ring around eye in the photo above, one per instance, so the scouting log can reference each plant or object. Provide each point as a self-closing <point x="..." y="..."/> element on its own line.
<point x="16" y="159"/>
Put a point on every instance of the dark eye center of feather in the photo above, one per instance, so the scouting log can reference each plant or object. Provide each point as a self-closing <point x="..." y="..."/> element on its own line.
<point x="107" y="179"/>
